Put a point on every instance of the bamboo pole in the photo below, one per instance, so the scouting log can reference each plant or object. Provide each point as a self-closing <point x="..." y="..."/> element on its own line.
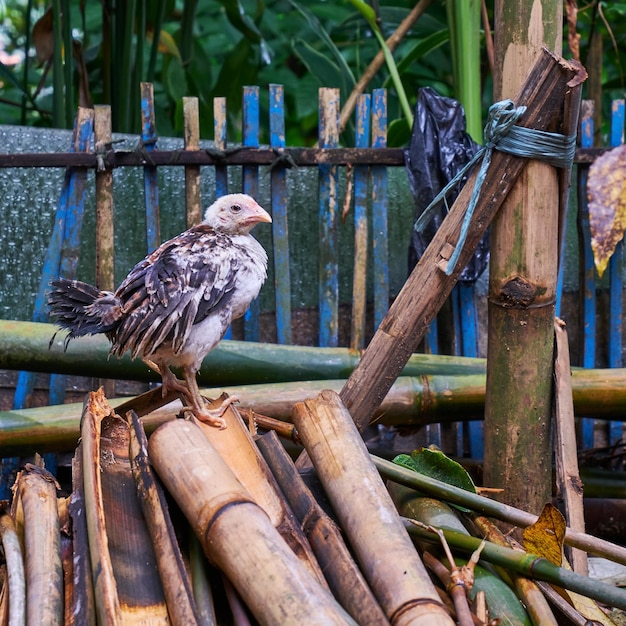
<point x="569" y="487"/>
<point x="428" y="286"/>
<point x="236" y="446"/>
<point x="36" y="489"/>
<point x="367" y="515"/>
<point x="27" y="346"/>
<point x="410" y="401"/>
<point x="83" y="606"/>
<point x="15" y="582"/>
<point x="492" y="508"/>
<point x="342" y="573"/>
<point x="169" y="560"/>
<point x="522" y="280"/>
<point x="236" y="534"/>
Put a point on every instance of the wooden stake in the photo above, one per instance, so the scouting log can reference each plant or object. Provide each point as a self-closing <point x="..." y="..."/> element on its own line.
<point x="569" y="487"/>
<point x="367" y="514"/>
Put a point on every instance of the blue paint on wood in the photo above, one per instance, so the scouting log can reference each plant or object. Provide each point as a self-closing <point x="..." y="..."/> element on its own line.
<point x="328" y="180"/>
<point x="280" y="226"/>
<point x="616" y="264"/>
<point x="150" y="177"/>
<point x="361" y="181"/>
<point x="251" y="187"/>
<point x="380" y="247"/>
<point x="588" y="282"/>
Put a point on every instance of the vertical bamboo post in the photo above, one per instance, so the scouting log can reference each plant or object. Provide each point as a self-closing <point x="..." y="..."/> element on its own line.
<point x="361" y="179"/>
<point x="280" y="223"/>
<point x="367" y="514"/>
<point x="522" y="284"/>
<point x="328" y="201"/>
<point x="193" y="195"/>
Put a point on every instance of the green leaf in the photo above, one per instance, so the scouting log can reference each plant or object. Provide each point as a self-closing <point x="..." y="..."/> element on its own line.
<point x="175" y="79"/>
<point x="327" y="73"/>
<point x="435" y="464"/>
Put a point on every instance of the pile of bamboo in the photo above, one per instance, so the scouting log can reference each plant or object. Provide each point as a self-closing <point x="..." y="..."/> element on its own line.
<point x="197" y="525"/>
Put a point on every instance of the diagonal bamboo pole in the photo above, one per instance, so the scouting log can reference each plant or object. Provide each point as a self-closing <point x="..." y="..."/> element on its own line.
<point x="428" y="287"/>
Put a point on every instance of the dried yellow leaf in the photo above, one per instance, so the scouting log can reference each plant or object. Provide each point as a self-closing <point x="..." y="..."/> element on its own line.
<point x="606" y="192"/>
<point x="545" y="537"/>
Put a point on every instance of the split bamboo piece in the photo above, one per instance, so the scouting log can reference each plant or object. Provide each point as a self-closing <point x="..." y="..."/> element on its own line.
<point x="383" y="549"/>
<point x="127" y="586"/>
<point x="83" y="604"/>
<point x="37" y="492"/>
<point x="569" y="487"/>
<point x="169" y="560"/>
<point x="236" y="446"/>
<point x="14" y="591"/>
<point x="236" y="534"/>
<point x="344" y="577"/>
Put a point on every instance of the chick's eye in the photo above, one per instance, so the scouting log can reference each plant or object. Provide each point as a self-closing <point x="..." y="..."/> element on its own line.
<point x="235" y="208"/>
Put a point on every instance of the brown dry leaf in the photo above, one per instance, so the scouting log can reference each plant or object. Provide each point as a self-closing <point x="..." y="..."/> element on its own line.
<point x="606" y="191"/>
<point x="43" y="38"/>
<point x="545" y="537"/>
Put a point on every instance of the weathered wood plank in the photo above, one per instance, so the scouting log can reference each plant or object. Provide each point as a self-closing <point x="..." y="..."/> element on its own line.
<point x="193" y="194"/>
<point x="150" y="177"/>
<point x="280" y="224"/>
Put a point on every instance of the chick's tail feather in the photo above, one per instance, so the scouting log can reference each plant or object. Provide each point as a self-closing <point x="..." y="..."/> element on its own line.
<point x="83" y="309"/>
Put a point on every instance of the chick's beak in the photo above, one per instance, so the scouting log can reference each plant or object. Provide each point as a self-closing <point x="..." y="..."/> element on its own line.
<point x="258" y="214"/>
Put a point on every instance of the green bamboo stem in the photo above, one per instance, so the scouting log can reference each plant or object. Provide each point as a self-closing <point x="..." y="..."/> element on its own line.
<point x="26" y="346"/>
<point x="411" y="400"/>
<point x="492" y="508"/>
<point x="528" y="565"/>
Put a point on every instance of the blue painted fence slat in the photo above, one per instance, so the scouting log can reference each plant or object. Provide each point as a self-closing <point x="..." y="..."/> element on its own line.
<point x="251" y="187"/>
<point x="361" y="179"/>
<point x="280" y="226"/>
<point x="150" y="176"/>
<point x="380" y="246"/>
<point x="588" y="281"/>
<point x="616" y="264"/>
<point x="328" y="178"/>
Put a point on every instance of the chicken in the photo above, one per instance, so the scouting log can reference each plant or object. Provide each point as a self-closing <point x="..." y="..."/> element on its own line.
<point x="174" y="307"/>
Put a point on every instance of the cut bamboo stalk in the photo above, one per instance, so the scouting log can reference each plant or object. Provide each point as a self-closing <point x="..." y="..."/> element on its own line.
<point x="343" y="575"/>
<point x="384" y="551"/>
<point x="15" y="582"/>
<point x="569" y="487"/>
<point x="128" y="589"/>
<point x="236" y="534"/>
<point x="428" y="287"/>
<point x="235" y="445"/>
<point x="176" y="584"/>
<point x="36" y="489"/>
<point x="83" y="607"/>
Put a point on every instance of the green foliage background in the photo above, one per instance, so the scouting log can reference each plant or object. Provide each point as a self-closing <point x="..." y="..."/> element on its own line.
<point x="215" y="47"/>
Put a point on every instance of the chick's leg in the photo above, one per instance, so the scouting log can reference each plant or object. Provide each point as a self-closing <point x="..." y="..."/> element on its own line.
<point x="168" y="378"/>
<point x="197" y="404"/>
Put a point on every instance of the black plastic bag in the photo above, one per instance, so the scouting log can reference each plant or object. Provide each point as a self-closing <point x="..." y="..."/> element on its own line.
<point x="438" y="150"/>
